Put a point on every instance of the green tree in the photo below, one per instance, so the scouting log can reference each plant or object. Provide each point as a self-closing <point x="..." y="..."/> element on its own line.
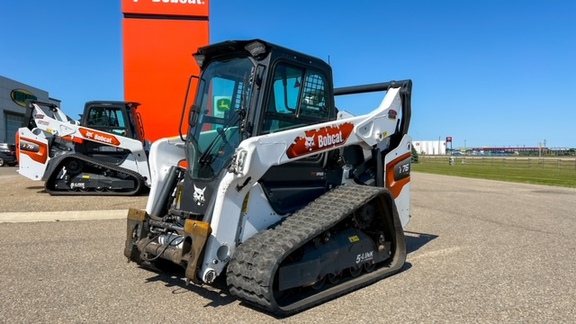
<point x="414" y="155"/>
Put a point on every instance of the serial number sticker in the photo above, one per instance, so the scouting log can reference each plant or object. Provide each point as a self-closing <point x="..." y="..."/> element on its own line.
<point x="353" y="239"/>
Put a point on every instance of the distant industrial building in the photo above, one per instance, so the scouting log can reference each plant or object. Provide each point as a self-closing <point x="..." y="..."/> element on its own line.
<point x="430" y="147"/>
<point x="524" y="150"/>
<point x="13" y="95"/>
<point x="443" y="148"/>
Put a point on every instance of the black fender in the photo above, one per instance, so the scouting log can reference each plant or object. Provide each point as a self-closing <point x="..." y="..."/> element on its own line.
<point x="52" y="166"/>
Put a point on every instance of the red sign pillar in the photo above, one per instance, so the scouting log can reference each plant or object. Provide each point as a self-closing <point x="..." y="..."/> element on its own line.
<point x="159" y="38"/>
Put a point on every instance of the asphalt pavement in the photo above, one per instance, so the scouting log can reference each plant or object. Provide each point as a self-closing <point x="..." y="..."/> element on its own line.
<point x="479" y="252"/>
<point x="21" y="197"/>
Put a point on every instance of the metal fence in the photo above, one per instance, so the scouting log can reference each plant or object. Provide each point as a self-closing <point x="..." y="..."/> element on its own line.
<point x="499" y="161"/>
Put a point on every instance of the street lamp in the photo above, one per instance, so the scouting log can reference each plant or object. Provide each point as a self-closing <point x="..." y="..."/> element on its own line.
<point x="539" y="149"/>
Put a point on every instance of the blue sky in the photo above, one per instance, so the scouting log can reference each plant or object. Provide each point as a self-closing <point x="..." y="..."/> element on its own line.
<point x="490" y="72"/>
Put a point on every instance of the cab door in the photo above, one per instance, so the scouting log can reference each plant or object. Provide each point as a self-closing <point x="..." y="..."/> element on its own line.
<point x="297" y="97"/>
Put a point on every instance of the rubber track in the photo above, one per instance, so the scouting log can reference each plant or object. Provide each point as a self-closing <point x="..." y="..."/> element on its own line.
<point x="102" y="165"/>
<point x="253" y="266"/>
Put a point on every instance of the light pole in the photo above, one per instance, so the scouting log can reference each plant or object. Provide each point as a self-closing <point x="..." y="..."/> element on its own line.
<point x="539" y="150"/>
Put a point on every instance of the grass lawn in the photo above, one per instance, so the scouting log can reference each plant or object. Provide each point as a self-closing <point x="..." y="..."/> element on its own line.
<point x="548" y="172"/>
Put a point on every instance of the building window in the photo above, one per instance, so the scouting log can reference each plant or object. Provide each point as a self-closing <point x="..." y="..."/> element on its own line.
<point x="13" y="122"/>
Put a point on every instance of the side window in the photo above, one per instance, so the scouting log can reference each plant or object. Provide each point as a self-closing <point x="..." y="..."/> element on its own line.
<point x="298" y="98"/>
<point x="120" y="118"/>
<point x="314" y="96"/>
<point x="106" y="117"/>
<point x="287" y="82"/>
<point x="98" y="116"/>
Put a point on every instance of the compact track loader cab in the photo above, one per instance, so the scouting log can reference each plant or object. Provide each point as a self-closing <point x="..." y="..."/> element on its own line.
<point x="103" y="154"/>
<point x="294" y="202"/>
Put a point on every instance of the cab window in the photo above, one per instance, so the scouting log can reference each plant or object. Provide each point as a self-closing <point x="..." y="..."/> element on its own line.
<point x="107" y="118"/>
<point x="298" y="98"/>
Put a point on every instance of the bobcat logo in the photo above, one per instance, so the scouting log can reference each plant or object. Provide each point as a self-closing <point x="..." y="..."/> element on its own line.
<point x="199" y="195"/>
<point x="309" y="142"/>
<point x="320" y="139"/>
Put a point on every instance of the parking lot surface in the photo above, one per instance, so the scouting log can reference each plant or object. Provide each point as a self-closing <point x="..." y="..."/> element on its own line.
<point x="19" y="194"/>
<point x="479" y="252"/>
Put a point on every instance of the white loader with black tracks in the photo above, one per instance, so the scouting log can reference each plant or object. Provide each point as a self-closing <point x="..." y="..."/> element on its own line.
<point x="104" y="153"/>
<point x="294" y="202"/>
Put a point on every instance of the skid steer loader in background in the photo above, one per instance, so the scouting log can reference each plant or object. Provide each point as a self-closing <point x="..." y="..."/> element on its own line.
<point x="294" y="202"/>
<point x="104" y="153"/>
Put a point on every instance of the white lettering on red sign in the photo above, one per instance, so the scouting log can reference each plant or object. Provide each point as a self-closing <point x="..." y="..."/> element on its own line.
<point x="103" y="139"/>
<point x="199" y="2"/>
<point x="99" y="137"/>
<point x="330" y="139"/>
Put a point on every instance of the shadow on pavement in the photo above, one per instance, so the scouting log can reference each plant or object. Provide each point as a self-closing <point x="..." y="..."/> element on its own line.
<point x="174" y="277"/>
<point x="414" y="240"/>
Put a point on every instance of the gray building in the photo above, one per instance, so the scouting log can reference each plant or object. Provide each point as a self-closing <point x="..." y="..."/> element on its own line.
<point x="12" y="108"/>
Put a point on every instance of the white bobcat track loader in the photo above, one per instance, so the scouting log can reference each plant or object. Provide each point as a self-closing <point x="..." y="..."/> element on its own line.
<point x="292" y="201"/>
<point x="102" y="154"/>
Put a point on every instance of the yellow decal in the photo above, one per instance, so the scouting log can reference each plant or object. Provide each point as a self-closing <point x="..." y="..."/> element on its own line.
<point x="245" y="204"/>
<point x="85" y="176"/>
<point x="178" y="197"/>
<point x="353" y="239"/>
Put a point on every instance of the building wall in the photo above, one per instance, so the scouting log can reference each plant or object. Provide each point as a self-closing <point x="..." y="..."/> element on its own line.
<point x="12" y="109"/>
<point x="430" y="147"/>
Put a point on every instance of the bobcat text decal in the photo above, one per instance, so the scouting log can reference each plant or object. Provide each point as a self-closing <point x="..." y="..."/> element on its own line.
<point x="319" y="140"/>
<point x="197" y="8"/>
<point x="99" y="136"/>
<point x="198" y="2"/>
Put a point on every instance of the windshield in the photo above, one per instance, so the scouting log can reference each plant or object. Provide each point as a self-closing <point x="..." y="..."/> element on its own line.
<point x="223" y="94"/>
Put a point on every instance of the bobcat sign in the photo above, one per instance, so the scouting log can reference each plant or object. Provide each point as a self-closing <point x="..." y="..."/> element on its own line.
<point x="319" y="140"/>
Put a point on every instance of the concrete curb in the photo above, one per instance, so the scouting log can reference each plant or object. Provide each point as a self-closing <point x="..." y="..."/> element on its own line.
<point x="56" y="216"/>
